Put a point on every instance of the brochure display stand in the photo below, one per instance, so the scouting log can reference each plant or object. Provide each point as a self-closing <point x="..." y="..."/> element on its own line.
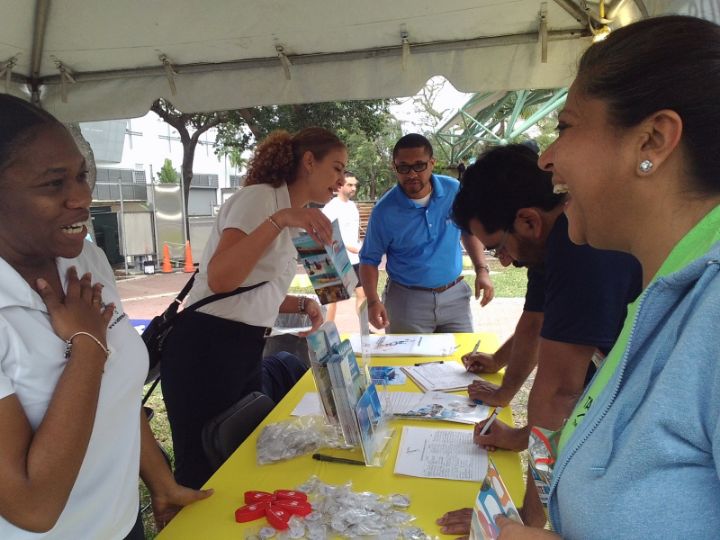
<point x="348" y="396"/>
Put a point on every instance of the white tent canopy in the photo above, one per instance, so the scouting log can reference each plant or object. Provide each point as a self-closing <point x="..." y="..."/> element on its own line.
<point x="104" y="59"/>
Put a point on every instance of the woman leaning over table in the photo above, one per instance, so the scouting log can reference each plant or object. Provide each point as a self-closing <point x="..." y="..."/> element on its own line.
<point x="639" y="154"/>
<point x="72" y="435"/>
<point x="213" y="357"/>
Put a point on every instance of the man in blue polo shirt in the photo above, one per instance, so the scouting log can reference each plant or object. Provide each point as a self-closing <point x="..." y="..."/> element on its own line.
<point x="412" y="226"/>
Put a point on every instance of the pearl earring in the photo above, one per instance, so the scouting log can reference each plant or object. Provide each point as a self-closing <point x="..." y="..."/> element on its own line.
<point x="646" y="165"/>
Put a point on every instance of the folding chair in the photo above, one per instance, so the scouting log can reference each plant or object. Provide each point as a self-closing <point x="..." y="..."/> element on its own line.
<point x="222" y="435"/>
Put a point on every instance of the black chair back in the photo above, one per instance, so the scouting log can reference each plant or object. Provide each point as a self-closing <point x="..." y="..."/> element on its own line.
<point x="222" y="435"/>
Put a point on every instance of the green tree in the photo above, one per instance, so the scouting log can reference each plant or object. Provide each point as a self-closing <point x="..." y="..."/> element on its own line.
<point x="246" y="126"/>
<point x="167" y="173"/>
<point x="371" y="158"/>
<point x="238" y="130"/>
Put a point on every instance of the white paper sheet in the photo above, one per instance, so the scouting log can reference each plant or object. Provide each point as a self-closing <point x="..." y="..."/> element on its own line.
<point x="440" y="453"/>
<point x="441" y="376"/>
<point x="407" y="344"/>
<point x="309" y="405"/>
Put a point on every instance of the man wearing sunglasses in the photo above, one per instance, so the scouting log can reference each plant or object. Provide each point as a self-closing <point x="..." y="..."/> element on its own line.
<point x="412" y="227"/>
<point x="509" y="204"/>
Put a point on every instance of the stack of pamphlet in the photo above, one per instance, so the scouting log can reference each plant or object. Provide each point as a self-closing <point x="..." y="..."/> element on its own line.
<point x="440" y="376"/>
<point x="348" y="397"/>
<point x="320" y="347"/>
<point x="348" y="385"/>
<point x="331" y="274"/>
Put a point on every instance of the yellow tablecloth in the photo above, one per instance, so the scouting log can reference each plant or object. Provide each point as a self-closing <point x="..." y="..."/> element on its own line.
<point x="430" y="498"/>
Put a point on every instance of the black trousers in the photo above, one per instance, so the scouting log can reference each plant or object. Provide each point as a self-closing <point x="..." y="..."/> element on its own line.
<point x="208" y="364"/>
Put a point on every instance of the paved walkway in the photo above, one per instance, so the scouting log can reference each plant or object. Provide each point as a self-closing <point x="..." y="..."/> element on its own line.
<point x="148" y="295"/>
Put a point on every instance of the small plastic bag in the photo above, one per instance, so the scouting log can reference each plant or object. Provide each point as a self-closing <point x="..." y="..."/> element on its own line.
<point x="295" y="437"/>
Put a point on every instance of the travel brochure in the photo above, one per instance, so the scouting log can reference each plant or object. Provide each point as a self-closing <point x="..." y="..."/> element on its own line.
<point x="434" y="406"/>
<point x="415" y="405"/>
<point x="406" y="344"/>
<point x="328" y="267"/>
<point x="492" y="500"/>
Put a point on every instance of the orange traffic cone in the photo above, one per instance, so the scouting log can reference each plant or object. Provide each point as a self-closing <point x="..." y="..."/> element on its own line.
<point x="166" y="266"/>
<point x="189" y="266"/>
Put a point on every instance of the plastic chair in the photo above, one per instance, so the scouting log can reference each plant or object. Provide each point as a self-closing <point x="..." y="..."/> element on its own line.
<point x="222" y="435"/>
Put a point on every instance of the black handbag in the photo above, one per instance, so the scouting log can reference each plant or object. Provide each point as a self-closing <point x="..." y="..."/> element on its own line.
<point x="161" y="325"/>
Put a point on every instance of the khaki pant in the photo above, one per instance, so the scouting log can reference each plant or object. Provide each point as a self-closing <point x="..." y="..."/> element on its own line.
<point x="413" y="311"/>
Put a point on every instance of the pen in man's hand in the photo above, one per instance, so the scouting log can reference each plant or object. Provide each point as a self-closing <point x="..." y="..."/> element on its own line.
<point x="489" y="423"/>
<point x="333" y="459"/>
<point x="475" y="349"/>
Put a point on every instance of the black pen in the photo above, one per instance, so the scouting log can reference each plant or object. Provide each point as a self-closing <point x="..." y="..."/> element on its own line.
<point x="333" y="459"/>
<point x="435" y="362"/>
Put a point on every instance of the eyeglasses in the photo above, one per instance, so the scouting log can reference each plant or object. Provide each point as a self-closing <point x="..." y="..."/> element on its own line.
<point x="501" y="246"/>
<point x="417" y="167"/>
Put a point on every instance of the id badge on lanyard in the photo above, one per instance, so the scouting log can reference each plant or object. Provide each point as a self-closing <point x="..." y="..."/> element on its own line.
<point x="543" y="451"/>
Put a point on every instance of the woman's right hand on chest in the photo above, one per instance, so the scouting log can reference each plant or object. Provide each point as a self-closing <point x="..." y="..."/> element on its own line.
<point x="311" y="220"/>
<point x="82" y="309"/>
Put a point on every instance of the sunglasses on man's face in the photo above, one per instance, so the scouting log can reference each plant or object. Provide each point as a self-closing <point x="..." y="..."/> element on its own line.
<point x="403" y="168"/>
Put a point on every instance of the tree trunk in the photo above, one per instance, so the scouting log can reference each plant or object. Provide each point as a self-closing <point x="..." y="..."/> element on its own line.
<point x="186" y="171"/>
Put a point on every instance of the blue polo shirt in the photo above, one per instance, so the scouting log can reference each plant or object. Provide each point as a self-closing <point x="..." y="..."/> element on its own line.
<point x="422" y="244"/>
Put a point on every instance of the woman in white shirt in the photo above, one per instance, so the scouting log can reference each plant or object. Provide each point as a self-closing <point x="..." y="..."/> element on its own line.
<point x="73" y="438"/>
<point x="214" y="355"/>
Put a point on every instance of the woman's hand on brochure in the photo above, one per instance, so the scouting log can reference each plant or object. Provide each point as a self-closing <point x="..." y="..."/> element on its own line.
<point x="456" y="522"/>
<point x="501" y="436"/>
<point x="314" y="312"/>
<point x="512" y="530"/>
<point x="316" y="223"/>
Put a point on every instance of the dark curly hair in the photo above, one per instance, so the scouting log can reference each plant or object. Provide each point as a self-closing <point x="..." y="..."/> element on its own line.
<point x="502" y="181"/>
<point x="276" y="158"/>
<point x="19" y="123"/>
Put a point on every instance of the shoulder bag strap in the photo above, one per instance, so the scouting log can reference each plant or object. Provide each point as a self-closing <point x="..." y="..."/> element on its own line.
<point x="220" y="296"/>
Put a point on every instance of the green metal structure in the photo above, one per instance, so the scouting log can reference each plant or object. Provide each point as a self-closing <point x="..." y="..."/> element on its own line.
<point x="495" y="118"/>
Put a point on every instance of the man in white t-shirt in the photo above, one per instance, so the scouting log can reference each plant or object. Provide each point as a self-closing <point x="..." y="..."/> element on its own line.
<point x="346" y="212"/>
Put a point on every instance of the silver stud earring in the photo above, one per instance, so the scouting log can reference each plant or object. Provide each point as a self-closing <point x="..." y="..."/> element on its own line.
<point x="646" y="165"/>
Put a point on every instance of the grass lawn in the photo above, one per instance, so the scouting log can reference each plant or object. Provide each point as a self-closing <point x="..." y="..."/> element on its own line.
<point x="509" y="282"/>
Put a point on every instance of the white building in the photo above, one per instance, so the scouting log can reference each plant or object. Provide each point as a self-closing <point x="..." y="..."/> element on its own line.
<point x="129" y="154"/>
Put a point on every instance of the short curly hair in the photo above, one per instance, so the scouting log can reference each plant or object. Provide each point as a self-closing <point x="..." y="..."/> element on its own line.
<point x="19" y="123"/>
<point x="276" y="158"/>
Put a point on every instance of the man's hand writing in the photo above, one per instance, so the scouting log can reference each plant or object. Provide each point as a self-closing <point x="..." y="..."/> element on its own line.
<point x="480" y="362"/>
<point x="501" y="436"/>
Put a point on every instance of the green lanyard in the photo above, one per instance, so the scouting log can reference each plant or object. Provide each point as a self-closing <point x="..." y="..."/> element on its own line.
<point x="691" y="247"/>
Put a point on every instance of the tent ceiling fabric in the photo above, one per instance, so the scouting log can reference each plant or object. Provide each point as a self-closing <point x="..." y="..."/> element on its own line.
<point x="225" y="52"/>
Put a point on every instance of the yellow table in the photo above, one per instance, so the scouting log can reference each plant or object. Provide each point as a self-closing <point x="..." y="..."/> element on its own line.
<point x="430" y="498"/>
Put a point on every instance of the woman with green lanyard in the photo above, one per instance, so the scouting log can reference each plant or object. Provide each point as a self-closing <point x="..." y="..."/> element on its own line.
<point x="639" y="155"/>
